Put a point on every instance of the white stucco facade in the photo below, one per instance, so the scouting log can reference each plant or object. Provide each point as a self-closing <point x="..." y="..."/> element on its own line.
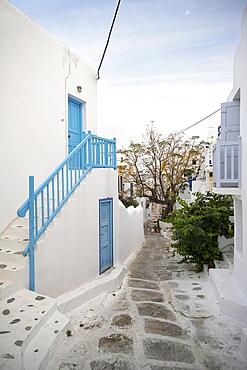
<point x="239" y="91"/>
<point x="67" y="256"/>
<point x="37" y="73"/>
<point x="231" y="286"/>
<point x="130" y="233"/>
<point x="39" y="77"/>
<point x="204" y="180"/>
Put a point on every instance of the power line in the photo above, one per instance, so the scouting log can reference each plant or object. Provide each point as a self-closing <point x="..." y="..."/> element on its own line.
<point x="108" y="38"/>
<point x="201" y="120"/>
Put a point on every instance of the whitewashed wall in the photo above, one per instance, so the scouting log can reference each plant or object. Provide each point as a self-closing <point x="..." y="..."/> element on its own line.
<point x="36" y="73"/>
<point x="240" y="90"/>
<point x="199" y="186"/>
<point x="68" y="254"/>
<point x="131" y="234"/>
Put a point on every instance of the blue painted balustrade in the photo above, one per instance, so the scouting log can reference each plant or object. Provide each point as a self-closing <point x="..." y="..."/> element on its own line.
<point x="46" y="201"/>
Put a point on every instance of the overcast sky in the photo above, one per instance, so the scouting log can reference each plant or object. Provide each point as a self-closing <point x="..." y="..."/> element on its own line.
<point x="169" y="61"/>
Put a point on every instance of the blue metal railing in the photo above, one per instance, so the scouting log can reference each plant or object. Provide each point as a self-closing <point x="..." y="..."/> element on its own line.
<point x="46" y="201"/>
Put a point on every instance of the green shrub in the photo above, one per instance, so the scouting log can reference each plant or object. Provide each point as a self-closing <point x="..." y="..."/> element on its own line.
<point x="197" y="226"/>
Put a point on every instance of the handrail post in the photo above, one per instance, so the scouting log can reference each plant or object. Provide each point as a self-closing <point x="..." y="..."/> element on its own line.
<point x="106" y="153"/>
<point x="90" y="151"/>
<point x="97" y="153"/>
<point x="115" y="154"/>
<point x="82" y="154"/>
<point x="31" y="235"/>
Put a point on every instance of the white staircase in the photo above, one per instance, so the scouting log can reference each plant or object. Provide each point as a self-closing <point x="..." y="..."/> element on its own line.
<point x="30" y="324"/>
<point x="228" y="258"/>
<point x="13" y="241"/>
<point x="13" y="266"/>
<point x="30" y="328"/>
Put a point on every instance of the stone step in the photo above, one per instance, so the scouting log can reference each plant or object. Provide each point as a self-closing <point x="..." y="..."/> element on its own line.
<point x="42" y="346"/>
<point x="11" y="257"/>
<point x="16" y="273"/>
<point x="221" y="264"/>
<point x="229" y="257"/>
<point x="18" y="233"/>
<point x="13" y="266"/>
<point x="20" y="222"/>
<point x="12" y="245"/>
<point x="22" y="316"/>
<point x="13" y="238"/>
<point x="7" y="288"/>
<point x="16" y="236"/>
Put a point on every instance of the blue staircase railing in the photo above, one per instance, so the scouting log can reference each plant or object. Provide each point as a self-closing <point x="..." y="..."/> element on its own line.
<point x="46" y="201"/>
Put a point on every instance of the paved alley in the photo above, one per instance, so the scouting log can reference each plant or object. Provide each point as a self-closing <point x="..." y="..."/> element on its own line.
<point x="164" y="317"/>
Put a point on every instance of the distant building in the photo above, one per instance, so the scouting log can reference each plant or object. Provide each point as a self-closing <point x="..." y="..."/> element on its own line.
<point x="204" y="180"/>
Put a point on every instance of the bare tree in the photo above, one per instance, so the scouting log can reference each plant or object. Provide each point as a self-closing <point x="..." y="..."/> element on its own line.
<point x="159" y="167"/>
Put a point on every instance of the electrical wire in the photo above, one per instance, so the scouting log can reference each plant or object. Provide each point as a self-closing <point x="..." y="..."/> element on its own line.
<point x="108" y="38"/>
<point x="201" y="120"/>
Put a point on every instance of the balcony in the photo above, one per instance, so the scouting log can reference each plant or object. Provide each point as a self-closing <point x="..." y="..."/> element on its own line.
<point x="227" y="165"/>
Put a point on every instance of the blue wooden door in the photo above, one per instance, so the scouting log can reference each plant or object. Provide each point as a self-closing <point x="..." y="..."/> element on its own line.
<point x="105" y="235"/>
<point x="74" y="123"/>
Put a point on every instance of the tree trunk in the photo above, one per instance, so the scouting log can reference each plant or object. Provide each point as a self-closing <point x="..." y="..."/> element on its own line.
<point x="156" y="212"/>
<point x="169" y="208"/>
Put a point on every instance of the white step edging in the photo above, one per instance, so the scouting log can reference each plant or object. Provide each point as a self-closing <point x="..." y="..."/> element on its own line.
<point x="43" y="344"/>
<point x="103" y="284"/>
<point x="23" y="314"/>
<point x="228" y="295"/>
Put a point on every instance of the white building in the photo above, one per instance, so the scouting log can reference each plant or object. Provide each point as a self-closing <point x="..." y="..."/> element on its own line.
<point x="204" y="180"/>
<point x="230" y="177"/>
<point x="48" y="104"/>
<point x="71" y="225"/>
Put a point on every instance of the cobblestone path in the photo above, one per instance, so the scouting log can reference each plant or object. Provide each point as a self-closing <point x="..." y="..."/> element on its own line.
<point x="164" y="317"/>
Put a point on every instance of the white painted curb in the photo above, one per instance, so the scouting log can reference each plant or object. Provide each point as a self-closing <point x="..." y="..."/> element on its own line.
<point x="105" y="283"/>
<point x="69" y="301"/>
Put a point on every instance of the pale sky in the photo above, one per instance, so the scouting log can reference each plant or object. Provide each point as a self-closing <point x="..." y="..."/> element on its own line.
<point x="168" y="61"/>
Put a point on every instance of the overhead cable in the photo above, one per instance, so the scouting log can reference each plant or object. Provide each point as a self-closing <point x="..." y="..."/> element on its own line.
<point x="108" y="38"/>
<point x="201" y="120"/>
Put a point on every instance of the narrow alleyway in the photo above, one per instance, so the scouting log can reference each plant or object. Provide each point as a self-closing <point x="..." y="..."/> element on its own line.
<point x="164" y="317"/>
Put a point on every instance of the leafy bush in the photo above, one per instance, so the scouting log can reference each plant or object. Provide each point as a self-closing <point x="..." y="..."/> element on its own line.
<point x="127" y="202"/>
<point x="197" y="225"/>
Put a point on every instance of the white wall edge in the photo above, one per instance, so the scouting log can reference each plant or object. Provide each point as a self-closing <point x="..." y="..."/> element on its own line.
<point x="228" y="296"/>
<point x="243" y="345"/>
<point x="103" y="284"/>
<point x="227" y="191"/>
